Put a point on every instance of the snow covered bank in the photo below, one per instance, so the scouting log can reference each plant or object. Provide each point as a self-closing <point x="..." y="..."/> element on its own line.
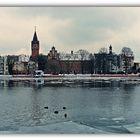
<point x="5" y="77"/>
<point x="72" y="77"/>
<point x="57" y="128"/>
<point x="71" y="127"/>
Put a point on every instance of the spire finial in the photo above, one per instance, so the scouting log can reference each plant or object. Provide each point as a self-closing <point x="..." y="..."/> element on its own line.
<point x="35" y="28"/>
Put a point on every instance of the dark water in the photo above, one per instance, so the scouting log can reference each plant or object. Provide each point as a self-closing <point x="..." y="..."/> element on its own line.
<point x="96" y="104"/>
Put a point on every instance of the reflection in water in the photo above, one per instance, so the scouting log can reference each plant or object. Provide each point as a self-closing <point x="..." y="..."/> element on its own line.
<point x="93" y="103"/>
<point x="10" y="83"/>
<point x="39" y="82"/>
<point x="36" y="112"/>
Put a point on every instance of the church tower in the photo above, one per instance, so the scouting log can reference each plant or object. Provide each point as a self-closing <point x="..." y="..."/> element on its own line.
<point x="35" y="46"/>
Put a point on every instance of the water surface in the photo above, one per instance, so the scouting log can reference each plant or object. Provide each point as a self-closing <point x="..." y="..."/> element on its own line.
<point x="100" y="104"/>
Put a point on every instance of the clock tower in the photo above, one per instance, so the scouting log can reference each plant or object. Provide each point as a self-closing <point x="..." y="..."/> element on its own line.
<point x="34" y="46"/>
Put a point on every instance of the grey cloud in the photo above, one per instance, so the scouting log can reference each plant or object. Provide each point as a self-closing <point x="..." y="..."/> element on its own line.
<point x="90" y="25"/>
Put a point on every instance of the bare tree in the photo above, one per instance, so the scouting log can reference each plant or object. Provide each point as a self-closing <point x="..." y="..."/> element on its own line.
<point x="127" y="57"/>
<point x="84" y="54"/>
<point x="62" y="55"/>
<point x="127" y="51"/>
<point x="103" y="50"/>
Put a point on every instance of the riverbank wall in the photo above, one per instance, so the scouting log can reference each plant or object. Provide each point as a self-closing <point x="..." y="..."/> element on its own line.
<point x="73" y="77"/>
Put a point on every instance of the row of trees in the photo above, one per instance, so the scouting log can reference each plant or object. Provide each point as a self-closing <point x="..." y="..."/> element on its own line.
<point x="84" y="53"/>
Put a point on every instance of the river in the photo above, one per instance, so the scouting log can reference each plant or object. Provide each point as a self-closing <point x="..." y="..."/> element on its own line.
<point x="104" y="106"/>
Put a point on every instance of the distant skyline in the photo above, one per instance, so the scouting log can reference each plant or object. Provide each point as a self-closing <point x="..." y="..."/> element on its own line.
<point x="69" y="28"/>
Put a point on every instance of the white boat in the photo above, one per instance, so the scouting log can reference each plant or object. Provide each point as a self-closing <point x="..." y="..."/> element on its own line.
<point x="39" y="73"/>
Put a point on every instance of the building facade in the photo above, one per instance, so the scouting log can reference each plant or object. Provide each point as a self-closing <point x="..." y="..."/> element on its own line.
<point x="23" y="58"/>
<point x="127" y="63"/>
<point x="107" y="63"/>
<point x="71" y="63"/>
<point x="3" y="65"/>
<point x="53" y="54"/>
<point x="20" y="67"/>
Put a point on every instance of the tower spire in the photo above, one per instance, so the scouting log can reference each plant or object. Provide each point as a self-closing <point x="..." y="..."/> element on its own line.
<point x="35" y="38"/>
<point x="35" y="28"/>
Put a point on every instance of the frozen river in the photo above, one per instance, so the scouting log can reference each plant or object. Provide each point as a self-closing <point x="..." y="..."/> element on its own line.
<point x="90" y="107"/>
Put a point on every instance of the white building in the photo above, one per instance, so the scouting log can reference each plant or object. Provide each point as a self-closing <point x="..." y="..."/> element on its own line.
<point x="23" y="58"/>
<point x="20" y="67"/>
<point x="3" y="65"/>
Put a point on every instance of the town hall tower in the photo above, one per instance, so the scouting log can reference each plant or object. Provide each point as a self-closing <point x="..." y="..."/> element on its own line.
<point x="35" y="46"/>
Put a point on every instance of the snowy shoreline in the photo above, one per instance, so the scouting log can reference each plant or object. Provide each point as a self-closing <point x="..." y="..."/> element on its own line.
<point x="72" y="77"/>
<point x="70" y="127"/>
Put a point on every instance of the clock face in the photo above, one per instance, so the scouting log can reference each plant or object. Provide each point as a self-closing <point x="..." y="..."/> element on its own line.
<point x="35" y="46"/>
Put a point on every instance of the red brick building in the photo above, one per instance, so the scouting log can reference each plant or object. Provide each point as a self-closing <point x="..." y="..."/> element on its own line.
<point x="70" y="64"/>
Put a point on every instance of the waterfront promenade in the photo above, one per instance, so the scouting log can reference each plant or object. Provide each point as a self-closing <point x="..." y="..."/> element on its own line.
<point x="132" y="77"/>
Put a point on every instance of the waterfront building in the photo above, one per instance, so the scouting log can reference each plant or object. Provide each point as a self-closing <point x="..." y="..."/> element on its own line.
<point x="136" y="67"/>
<point x="12" y="58"/>
<point x="20" y="67"/>
<point x="53" y="54"/>
<point x="3" y="65"/>
<point x="72" y="63"/>
<point x="107" y="62"/>
<point x="53" y="63"/>
<point x="25" y="67"/>
<point x="114" y="62"/>
<point x="76" y="63"/>
<point x="23" y="58"/>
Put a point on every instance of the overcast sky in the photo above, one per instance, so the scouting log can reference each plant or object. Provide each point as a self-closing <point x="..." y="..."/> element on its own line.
<point x="69" y="28"/>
